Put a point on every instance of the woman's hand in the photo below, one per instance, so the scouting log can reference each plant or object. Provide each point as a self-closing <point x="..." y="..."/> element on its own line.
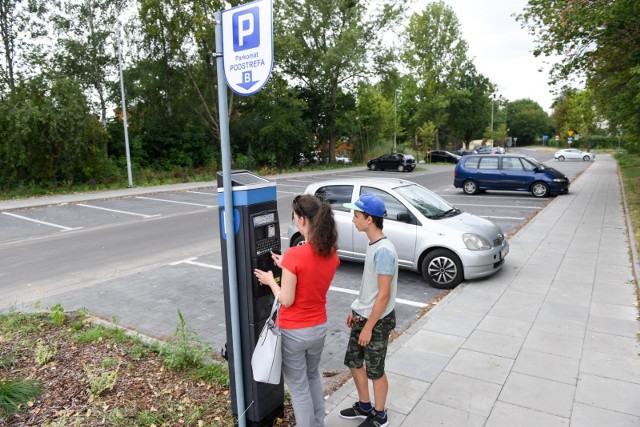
<point x="264" y="277"/>
<point x="277" y="259"/>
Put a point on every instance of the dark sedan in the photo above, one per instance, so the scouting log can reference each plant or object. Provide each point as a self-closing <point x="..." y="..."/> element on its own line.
<point x="439" y="156"/>
<point x="398" y="161"/>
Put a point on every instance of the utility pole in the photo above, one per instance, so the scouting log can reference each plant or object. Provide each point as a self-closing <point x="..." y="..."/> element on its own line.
<point x="124" y="107"/>
<point x="395" y="113"/>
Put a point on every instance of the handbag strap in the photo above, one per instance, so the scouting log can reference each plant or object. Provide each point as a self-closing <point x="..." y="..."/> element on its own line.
<point x="276" y="306"/>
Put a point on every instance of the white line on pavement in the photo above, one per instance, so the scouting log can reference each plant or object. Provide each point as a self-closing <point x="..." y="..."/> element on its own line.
<point x="196" y="263"/>
<point x="117" y="211"/>
<point x="499" y="206"/>
<point x="332" y="288"/>
<point x="174" y="201"/>
<point x="202" y="192"/>
<point x="398" y="300"/>
<point x="502" y="217"/>
<point x="42" y="222"/>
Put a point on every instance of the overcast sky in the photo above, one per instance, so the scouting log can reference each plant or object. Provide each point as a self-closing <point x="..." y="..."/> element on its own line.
<point x="501" y="50"/>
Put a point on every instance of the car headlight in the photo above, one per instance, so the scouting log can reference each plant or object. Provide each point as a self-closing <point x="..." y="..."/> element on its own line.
<point x="559" y="180"/>
<point x="474" y="242"/>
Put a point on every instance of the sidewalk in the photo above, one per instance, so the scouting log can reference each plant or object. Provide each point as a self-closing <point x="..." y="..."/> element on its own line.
<point x="551" y="340"/>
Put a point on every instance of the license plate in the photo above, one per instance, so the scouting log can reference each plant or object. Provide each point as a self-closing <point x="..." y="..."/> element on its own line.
<point x="504" y="252"/>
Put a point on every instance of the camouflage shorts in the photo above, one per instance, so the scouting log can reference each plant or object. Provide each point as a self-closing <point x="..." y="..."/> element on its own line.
<point x="373" y="356"/>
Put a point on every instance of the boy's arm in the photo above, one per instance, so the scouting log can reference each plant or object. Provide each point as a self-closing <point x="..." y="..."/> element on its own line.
<point x="384" y="294"/>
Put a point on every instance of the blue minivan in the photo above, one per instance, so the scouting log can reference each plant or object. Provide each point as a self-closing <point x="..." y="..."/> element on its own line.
<point x="478" y="173"/>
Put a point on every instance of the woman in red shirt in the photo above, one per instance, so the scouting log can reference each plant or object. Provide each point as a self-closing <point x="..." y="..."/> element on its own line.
<point x="307" y="272"/>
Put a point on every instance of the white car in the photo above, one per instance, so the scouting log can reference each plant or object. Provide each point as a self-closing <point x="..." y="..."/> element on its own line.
<point x="573" y="153"/>
<point x="431" y="236"/>
<point x="344" y="160"/>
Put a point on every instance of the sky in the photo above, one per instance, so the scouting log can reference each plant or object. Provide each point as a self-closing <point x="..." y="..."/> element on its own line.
<point x="500" y="49"/>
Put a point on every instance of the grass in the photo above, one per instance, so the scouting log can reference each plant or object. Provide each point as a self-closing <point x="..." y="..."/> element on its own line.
<point x="101" y="375"/>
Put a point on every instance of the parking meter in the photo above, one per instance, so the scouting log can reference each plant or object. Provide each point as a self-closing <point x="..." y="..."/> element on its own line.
<point x="257" y="234"/>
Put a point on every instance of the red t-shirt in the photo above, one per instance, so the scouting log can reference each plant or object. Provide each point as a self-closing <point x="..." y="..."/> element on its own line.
<point x="314" y="275"/>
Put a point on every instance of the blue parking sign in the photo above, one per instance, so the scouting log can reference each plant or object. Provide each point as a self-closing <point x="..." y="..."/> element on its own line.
<point x="247" y="46"/>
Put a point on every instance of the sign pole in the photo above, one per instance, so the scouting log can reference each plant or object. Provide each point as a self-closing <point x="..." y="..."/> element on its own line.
<point x="229" y="225"/>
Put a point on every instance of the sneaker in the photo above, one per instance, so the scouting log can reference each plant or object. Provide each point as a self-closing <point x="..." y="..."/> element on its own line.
<point x="355" y="412"/>
<point x="374" y="420"/>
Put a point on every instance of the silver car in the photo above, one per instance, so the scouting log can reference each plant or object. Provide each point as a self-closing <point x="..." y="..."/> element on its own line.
<point x="431" y="236"/>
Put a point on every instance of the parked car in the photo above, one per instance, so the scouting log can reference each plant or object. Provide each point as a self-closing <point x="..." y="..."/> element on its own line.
<point x="478" y="173"/>
<point x="487" y="149"/>
<point x="463" y="152"/>
<point x="573" y="153"/>
<point x="432" y="237"/>
<point x="345" y="160"/>
<point x="398" y="161"/>
<point x="439" y="156"/>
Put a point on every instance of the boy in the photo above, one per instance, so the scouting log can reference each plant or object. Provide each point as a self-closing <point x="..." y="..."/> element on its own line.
<point x="372" y="316"/>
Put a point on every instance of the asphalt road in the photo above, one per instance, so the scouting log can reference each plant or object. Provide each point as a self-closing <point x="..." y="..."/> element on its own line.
<point x="138" y="259"/>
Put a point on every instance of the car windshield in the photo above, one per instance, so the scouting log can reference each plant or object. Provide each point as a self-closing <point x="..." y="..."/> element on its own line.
<point x="429" y="204"/>
<point x="534" y="162"/>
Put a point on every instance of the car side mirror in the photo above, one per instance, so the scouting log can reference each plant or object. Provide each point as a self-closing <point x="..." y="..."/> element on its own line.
<point x="405" y="217"/>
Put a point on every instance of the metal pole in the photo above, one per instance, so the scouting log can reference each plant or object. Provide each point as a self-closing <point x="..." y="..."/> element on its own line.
<point x="492" y="118"/>
<point x="395" y="95"/>
<point x="124" y="107"/>
<point x="229" y="226"/>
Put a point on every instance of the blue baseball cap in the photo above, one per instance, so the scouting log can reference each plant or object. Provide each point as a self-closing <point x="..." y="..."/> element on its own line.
<point x="369" y="204"/>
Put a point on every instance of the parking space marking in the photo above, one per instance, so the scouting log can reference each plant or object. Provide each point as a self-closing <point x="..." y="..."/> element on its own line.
<point x="503" y="217"/>
<point x="43" y="222"/>
<point x="202" y="192"/>
<point x="289" y="192"/>
<point x="175" y="201"/>
<point x="117" y="211"/>
<point x="286" y="185"/>
<point x="499" y="206"/>
<point x="398" y="300"/>
<point x="490" y="197"/>
<point x="191" y="261"/>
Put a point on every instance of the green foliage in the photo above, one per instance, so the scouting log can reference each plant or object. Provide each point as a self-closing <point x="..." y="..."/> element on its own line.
<point x="597" y="40"/>
<point x="44" y="353"/>
<point x="526" y="120"/>
<point x="56" y="315"/>
<point x="14" y="322"/>
<point x="187" y="350"/>
<point x="214" y="372"/>
<point x="49" y="137"/>
<point x="100" y="379"/>
<point x="16" y="393"/>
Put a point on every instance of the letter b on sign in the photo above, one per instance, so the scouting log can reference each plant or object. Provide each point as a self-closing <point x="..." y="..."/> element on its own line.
<point x="246" y="29"/>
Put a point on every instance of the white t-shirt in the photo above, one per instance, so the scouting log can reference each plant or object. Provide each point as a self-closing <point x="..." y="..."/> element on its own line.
<point x="381" y="259"/>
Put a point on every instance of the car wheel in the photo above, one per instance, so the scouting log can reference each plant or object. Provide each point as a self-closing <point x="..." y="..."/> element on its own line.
<point x="470" y="187"/>
<point x="298" y="240"/>
<point x="540" y="189"/>
<point x="400" y="168"/>
<point x="374" y="167"/>
<point x="561" y="158"/>
<point x="442" y="269"/>
<point x="586" y="158"/>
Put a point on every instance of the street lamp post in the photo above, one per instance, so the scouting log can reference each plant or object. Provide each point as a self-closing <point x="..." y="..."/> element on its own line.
<point x="395" y="113"/>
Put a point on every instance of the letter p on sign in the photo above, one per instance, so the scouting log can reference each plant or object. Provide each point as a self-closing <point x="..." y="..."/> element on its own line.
<point x="246" y="29"/>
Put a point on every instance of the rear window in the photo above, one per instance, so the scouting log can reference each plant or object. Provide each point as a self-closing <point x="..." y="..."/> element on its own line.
<point x="336" y="195"/>
<point x="488" y="163"/>
<point x="472" y="162"/>
<point x="511" y="164"/>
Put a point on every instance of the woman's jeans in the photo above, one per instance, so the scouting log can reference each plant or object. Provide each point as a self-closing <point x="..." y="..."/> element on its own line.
<point x="301" y="351"/>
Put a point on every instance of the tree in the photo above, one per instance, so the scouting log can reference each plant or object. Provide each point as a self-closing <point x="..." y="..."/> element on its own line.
<point x="599" y="40"/>
<point x="327" y="45"/>
<point x="20" y="27"/>
<point x="468" y="106"/>
<point x="87" y="33"/>
<point x="526" y="120"/>
<point x="374" y="119"/>
<point x="434" y="54"/>
<point x="49" y="136"/>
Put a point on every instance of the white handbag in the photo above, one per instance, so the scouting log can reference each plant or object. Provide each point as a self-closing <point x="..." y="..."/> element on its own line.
<point x="266" y="360"/>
